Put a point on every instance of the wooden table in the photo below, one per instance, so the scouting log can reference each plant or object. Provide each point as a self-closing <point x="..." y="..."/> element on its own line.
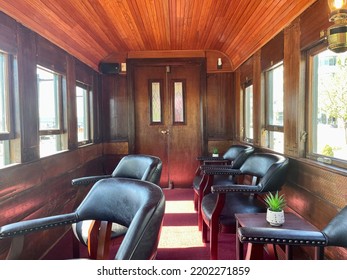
<point x="255" y="251"/>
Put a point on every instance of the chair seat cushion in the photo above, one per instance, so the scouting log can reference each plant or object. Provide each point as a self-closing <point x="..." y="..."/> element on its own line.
<point x="81" y="230"/>
<point x="234" y="203"/>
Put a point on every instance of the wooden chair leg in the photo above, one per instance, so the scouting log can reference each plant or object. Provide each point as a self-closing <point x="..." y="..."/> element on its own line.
<point x="204" y="232"/>
<point x="214" y="230"/>
<point x="99" y="237"/>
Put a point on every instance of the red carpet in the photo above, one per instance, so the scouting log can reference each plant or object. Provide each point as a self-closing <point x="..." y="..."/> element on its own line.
<point x="180" y="237"/>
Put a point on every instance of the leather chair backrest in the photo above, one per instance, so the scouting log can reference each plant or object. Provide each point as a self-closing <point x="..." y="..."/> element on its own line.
<point x="336" y="230"/>
<point x="138" y="205"/>
<point x="270" y="168"/>
<point x="237" y="154"/>
<point x="141" y="167"/>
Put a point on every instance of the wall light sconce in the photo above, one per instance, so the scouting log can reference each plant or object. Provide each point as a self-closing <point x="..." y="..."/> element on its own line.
<point x="219" y="63"/>
<point x="337" y="33"/>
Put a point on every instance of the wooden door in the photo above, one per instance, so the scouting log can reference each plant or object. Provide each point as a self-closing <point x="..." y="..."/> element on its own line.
<point x="167" y="119"/>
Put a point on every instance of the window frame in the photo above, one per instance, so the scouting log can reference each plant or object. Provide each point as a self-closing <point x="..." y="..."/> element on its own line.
<point x="88" y="110"/>
<point x="7" y="137"/>
<point x="10" y="134"/>
<point x="59" y="132"/>
<point x="244" y="129"/>
<point x="183" y="82"/>
<point x="309" y="154"/>
<point x="150" y="93"/>
<point x="270" y="127"/>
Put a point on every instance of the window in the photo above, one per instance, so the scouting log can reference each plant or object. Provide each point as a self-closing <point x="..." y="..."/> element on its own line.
<point x="84" y="110"/>
<point x="248" y="113"/>
<point x="50" y="91"/>
<point x="179" y="113"/>
<point x="327" y="119"/>
<point x="274" y="108"/>
<point x="6" y="112"/>
<point x="155" y="92"/>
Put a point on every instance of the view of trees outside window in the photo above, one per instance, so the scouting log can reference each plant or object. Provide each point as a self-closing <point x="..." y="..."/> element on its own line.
<point x="330" y="104"/>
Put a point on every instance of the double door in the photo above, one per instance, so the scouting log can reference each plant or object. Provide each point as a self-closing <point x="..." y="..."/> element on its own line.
<point x="167" y="118"/>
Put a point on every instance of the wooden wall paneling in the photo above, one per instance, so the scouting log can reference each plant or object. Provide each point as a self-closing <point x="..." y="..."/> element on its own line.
<point x="8" y="34"/>
<point x="219" y="106"/>
<point x="50" y="56"/>
<point x="246" y="71"/>
<point x="115" y="112"/>
<point x="292" y="108"/>
<point x="258" y="100"/>
<point x="317" y="194"/>
<point x="28" y="94"/>
<point x="43" y="188"/>
<point x="314" y="20"/>
<point x="273" y="52"/>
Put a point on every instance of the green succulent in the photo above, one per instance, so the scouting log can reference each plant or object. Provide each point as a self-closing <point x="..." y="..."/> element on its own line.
<point x="275" y="202"/>
<point x="215" y="150"/>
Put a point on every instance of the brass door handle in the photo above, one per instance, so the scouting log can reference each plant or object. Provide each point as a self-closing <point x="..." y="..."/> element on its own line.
<point x="165" y="131"/>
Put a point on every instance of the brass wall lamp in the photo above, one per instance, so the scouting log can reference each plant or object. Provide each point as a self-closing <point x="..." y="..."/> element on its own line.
<point x="337" y="33"/>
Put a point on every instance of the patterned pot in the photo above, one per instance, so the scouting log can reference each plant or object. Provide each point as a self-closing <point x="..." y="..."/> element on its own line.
<point x="275" y="218"/>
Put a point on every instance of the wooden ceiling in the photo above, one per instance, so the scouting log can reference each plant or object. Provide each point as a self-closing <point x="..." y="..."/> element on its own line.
<point x="93" y="30"/>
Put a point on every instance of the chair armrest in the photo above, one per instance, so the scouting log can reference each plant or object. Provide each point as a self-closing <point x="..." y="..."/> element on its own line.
<point x="281" y="236"/>
<point x="88" y="180"/>
<point x="215" y="166"/>
<point x="234" y="188"/>
<point x="221" y="170"/>
<point x="28" y="226"/>
<point x="210" y="158"/>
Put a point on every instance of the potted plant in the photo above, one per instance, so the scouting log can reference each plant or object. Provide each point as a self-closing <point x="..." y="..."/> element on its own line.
<point x="275" y="204"/>
<point x="215" y="152"/>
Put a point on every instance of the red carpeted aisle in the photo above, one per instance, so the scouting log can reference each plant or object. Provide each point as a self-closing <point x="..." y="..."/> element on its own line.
<point x="180" y="237"/>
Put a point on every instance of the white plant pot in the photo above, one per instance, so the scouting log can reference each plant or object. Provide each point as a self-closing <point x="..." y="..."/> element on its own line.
<point x="275" y="218"/>
<point x="215" y="155"/>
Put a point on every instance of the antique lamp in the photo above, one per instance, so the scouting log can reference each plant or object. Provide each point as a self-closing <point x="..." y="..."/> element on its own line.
<point x="337" y="33"/>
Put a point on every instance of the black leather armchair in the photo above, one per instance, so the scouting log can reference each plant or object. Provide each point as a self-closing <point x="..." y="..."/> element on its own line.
<point x="137" y="205"/>
<point x="260" y="173"/>
<point x="334" y="234"/>
<point x="141" y="167"/>
<point x="234" y="157"/>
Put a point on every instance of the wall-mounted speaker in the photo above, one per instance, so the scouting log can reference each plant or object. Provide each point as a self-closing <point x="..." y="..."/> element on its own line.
<point x="109" y="68"/>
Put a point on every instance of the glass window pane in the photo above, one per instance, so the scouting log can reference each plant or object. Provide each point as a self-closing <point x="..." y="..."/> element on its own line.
<point x="48" y="87"/>
<point x="4" y="153"/>
<point x="248" y="111"/>
<point x="4" y="109"/>
<point x="49" y="145"/>
<point x="329" y="104"/>
<point x="155" y="102"/>
<point x="178" y="102"/>
<point x="276" y="140"/>
<point x="82" y="114"/>
<point x="275" y="96"/>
